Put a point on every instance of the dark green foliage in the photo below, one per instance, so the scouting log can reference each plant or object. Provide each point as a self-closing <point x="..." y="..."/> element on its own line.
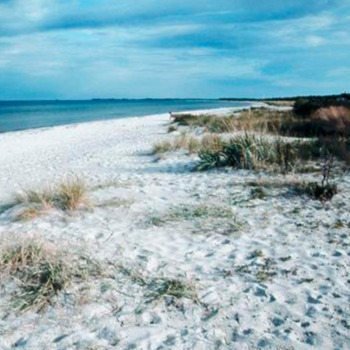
<point x="304" y="107"/>
<point x="258" y="193"/>
<point x="322" y="192"/>
<point x="210" y="159"/>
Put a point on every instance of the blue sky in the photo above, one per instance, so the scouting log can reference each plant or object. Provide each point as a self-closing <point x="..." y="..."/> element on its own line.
<point x="146" y="48"/>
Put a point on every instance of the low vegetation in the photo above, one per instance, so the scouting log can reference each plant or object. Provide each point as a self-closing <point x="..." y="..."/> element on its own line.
<point x="191" y="212"/>
<point x="320" y="191"/>
<point x="168" y="287"/>
<point x="188" y="143"/>
<point x="254" y="119"/>
<point x="36" y="273"/>
<point x="160" y="287"/>
<point x="323" y="191"/>
<point x="39" y="272"/>
<point x="257" y="152"/>
<point x="67" y="196"/>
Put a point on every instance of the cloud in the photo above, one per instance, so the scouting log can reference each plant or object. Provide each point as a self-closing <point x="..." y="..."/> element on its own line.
<point x="90" y="48"/>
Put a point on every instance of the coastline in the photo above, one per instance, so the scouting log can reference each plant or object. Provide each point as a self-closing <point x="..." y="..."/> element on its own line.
<point x="268" y="268"/>
<point x="22" y="149"/>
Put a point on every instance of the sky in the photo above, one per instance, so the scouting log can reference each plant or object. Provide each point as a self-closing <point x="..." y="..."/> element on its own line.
<point x="81" y="49"/>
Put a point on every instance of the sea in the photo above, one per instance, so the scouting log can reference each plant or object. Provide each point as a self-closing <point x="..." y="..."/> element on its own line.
<point x="22" y="115"/>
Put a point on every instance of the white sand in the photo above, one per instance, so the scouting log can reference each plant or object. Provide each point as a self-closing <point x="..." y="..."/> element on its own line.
<point x="305" y="248"/>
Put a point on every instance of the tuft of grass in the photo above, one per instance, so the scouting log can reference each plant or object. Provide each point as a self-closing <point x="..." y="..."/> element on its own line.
<point x="172" y="128"/>
<point x="160" y="287"/>
<point x="68" y="196"/>
<point x="258" y="193"/>
<point x="191" y="144"/>
<point x="30" y="213"/>
<point x="41" y="273"/>
<point x="168" y="287"/>
<point x="71" y="195"/>
<point x="162" y="147"/>
<point x="42" y="198"/>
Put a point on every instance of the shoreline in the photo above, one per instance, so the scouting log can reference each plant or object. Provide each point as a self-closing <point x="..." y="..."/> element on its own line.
<point x="258" y="265"/>
<point x="213" y="110"/>
<point x="42" y="145"/>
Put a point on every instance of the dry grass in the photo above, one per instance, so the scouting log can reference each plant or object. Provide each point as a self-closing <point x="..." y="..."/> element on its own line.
<point x="71" y="195"/>
<point x="263" y="120"/>
<point x="169" y="287"/>
<point x="68" y="196"/>
<point x="188" y="143"/>
<point x="39" y="272"/>
<point x="332" y="120"/>
<point x="29" y="213"/>
<point x="256" y="152"/>
<point x="41" y="198"/>
<point x="158" y="288"/>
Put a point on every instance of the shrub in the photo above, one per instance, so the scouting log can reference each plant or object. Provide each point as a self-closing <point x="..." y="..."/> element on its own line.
<point x="314" y="190"/>
<point x="304" y="107"/>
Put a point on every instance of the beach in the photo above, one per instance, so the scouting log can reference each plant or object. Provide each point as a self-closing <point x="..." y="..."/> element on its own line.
<point x="262" y="272"/>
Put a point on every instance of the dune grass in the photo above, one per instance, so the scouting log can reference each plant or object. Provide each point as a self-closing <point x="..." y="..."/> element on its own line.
<point x="41" y="273"/>
<point x="253" y="152"/>
<point x="331" y="121"/>
<point x="188" y="143"/>
<point x="157" y="288"/>
<point x="69" y="195"/>
<point x="263" y="120"/>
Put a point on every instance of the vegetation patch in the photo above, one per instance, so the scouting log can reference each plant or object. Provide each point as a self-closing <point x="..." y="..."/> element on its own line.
<point x="116" y="203"/>
<point x="39" y="273"/>
<point x="68" y="196"/>
<point x="188" y="143"/>
<point x="167" y="287"/>
<point x="264" y="120"/>
<point x="160" y="287"/>
<point x="249" y="151"/>
<point x="258" y="193"/>
<point x="188" y="212"/>
<point x="320" y="191"/>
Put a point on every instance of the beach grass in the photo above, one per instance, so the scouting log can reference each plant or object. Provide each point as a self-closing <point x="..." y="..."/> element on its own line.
<point x="69" y="195"/>
<point x="41" y="273"/>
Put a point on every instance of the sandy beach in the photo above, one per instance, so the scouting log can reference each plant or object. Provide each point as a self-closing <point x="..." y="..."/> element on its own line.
<point x="267" y="272"/>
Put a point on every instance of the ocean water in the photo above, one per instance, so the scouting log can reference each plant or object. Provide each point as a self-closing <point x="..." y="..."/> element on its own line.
<point x="21" y="115"/>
